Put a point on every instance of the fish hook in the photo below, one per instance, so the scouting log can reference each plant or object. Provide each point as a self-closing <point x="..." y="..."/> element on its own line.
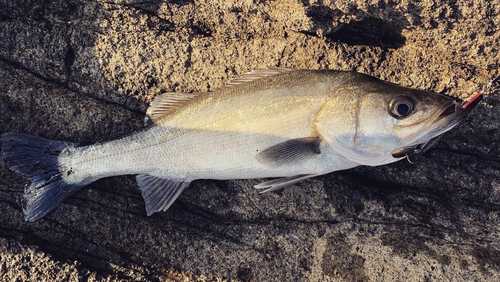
<point x="409" y="160"/>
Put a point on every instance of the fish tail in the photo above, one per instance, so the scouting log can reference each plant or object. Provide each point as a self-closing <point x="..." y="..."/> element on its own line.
<point x="36" y="159"/>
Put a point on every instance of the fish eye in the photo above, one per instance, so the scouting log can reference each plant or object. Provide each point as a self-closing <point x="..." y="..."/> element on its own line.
<point x="401" y="107"/>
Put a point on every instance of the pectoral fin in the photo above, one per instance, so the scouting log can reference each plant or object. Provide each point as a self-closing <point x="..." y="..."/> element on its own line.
<point x="160" y="193"/>
<point x="290" y="151"/>
<point x="279" y="183"/>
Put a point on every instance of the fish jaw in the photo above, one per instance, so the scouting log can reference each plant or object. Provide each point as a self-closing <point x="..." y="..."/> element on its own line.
<point x="442" y="122"/>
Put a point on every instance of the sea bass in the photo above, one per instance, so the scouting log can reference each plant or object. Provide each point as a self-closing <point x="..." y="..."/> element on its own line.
<point x="279" y="122"/>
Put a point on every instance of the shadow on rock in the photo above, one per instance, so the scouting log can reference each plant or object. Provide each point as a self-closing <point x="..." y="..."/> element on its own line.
<point x="369" y="31"/>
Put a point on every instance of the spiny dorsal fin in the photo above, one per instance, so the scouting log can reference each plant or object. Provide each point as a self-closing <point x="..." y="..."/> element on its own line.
<point x="257" y="74"/>
<point x="293" y="150"/>
<point x="160" y="193"/>
<point x="164" y="103"/>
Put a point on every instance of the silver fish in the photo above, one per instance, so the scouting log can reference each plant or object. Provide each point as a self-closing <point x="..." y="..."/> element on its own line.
<point x="278" y="122"/>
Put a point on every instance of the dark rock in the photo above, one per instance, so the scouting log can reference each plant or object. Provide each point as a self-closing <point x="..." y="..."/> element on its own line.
<point x="84" y="71"/>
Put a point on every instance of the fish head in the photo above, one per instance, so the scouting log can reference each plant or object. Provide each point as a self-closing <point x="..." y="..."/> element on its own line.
<point x="432" y="115"/>
<point x="386" y="122"/>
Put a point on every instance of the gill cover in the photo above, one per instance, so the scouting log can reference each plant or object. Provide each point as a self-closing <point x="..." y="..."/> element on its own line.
<point x="338" y="123"/>
<point x="367" y="119"/>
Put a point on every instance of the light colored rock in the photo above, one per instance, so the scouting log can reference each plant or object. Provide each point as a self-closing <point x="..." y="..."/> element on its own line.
<point x="84" y="71"/>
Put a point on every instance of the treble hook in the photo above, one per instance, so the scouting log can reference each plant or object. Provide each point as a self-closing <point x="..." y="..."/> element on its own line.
<point x="408" y="159"/>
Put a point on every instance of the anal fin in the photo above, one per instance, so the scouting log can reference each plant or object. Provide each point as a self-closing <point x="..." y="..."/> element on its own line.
<point x="276" y="184"/>
<point x="160" y="193"/>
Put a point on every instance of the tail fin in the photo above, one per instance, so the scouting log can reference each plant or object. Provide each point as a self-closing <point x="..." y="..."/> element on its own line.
<point x="36" y="159"/>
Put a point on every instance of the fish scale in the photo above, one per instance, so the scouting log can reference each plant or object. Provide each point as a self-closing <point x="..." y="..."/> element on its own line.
<point x="276" y="122"/>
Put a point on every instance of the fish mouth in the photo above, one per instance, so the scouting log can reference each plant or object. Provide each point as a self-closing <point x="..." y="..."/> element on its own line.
<point x="441" y="121"/>
<point x="449" y="110"/>
<point x="448" y="118"/>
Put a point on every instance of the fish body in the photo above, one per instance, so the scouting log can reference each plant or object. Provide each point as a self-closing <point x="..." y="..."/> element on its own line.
<point x="219" y="134"/>
<point x="287" y="123"/>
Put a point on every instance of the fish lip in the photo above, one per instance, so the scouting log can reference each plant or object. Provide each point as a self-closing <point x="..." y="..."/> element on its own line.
<point x="451" y="116"/>
<point x="444" y="119"/>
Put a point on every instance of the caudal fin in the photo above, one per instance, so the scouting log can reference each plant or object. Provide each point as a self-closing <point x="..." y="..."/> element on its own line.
<point x="36" y="159"/>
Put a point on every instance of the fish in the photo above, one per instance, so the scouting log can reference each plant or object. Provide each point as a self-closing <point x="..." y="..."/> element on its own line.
<point x="281" y="123"/>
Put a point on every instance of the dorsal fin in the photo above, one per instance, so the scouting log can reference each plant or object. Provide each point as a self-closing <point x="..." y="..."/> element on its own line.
<point x="164" y="103"/>
<point x="258" y="74"/>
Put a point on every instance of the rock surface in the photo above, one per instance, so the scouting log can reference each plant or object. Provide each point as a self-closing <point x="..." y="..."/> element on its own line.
<point x="84" y="71"/>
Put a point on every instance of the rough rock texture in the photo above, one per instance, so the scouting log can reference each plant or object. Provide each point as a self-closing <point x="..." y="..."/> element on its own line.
<point x="84" y="71"/>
